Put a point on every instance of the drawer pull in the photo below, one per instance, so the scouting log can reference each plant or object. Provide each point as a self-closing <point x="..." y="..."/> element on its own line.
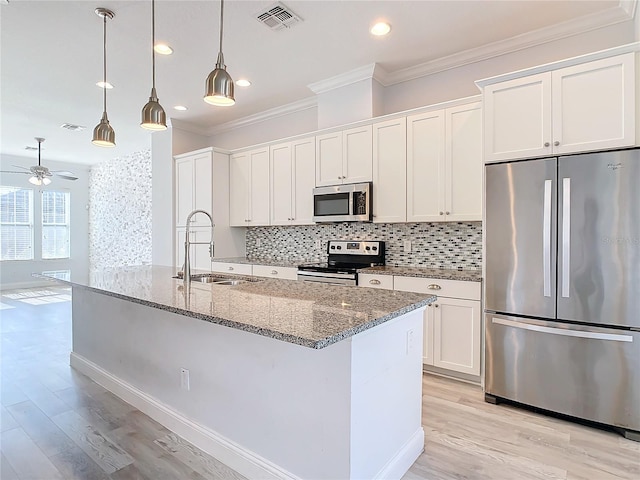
<point x="274" y="272"/>
<point x="374" y="282"/>
<point x="434" y="286"/>
<point x="230" y="268"/>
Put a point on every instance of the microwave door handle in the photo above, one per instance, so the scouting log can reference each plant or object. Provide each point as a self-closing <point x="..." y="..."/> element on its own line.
<point x="351" y="203"/>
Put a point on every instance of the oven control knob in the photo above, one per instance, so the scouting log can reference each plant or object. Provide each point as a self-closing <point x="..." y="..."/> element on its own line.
<point x="339" y="247"/>
<point x="369" y="248"/>
<point x="333" y="247"/>
<point x="374" y="248"/>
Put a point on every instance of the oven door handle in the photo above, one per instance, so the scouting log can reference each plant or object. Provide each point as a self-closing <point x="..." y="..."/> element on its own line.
<point x="307" y="273"/>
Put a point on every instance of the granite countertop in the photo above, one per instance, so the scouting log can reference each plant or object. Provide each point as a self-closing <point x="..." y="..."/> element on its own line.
<point x="261" y="261"/>
<point x="313" y="315"/>
<point x="440" y="273"/>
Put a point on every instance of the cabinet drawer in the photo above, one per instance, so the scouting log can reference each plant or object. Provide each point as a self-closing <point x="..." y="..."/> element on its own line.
<point x="285" y="273"/>
<point x="237" y="268"/>
<point x="375" y="281"/>
<point x="439" y="287"/>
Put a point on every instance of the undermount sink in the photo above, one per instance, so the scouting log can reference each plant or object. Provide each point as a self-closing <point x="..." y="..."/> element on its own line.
<point x="230" y="282"/>
<point x="211" y="278"/>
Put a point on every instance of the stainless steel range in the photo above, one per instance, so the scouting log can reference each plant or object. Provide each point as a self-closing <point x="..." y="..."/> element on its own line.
<point x="345" y="258"/>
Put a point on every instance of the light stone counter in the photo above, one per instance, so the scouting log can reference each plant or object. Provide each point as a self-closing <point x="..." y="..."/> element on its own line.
<point x="440" y="273"/>
<point x="308" y="314"/>
<point x="292" y="263"/>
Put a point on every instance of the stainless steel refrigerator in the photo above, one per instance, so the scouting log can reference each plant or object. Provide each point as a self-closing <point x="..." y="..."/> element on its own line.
<point x="562" y="287"/>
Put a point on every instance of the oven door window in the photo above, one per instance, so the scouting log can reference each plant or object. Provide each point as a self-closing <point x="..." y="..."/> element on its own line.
<point x="331" y="204"/>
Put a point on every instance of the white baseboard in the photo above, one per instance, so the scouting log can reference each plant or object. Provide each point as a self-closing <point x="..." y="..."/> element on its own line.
<point x="231" y="454"/>
<point x="406" y="456"/>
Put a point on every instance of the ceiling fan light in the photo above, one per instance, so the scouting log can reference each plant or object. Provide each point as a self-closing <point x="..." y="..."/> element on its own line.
<point x="219" y="87"/>
<point x="35" y="180"/>
<point x="153" y="115"/>
<point x="103" y="134"/>
<point x="46" y="181"/>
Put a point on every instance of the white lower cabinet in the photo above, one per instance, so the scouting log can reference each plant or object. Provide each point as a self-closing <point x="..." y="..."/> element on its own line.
<point x="235" y="268"/>
<point x="375" y="281"/>
<point x="284" y="273"/>
<point x="452" y="323"/>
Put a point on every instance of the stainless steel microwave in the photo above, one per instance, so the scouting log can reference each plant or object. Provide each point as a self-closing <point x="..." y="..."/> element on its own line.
<point x="343" y="203"/>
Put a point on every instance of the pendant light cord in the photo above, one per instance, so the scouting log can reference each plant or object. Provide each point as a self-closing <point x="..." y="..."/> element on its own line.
<point x="104" y="62"/>
<point x="221" y="23"/>
<point x="153" y="43"/>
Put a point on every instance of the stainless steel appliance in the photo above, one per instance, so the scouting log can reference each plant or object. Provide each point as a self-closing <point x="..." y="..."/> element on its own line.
<point x="345" y="258"/>
<point x="562" y="289"/>
<point x="343" y="203"/>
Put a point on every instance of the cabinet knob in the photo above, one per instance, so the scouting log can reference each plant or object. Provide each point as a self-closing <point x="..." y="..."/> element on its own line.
<point x="230" y="268"/>
<point x="436" y="305"/>
<point x="374" y="282"/>
<point x="447" y="213"/>
<point x="274" y="272"/>
<point x="546" y="144"/>
<point x="556" y="143"/>
<point x="441" y="213"/>
<point x="434" y="286"/>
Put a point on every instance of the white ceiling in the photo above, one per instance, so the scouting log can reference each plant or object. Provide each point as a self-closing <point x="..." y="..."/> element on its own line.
<point x="52" y="57"/>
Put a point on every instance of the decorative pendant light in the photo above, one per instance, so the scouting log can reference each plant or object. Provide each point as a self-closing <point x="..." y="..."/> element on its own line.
<point x="103" y="134"/>
<point x="153" y="116"/>
<point x="219" y="84"/>
<point x="39" y="177"/>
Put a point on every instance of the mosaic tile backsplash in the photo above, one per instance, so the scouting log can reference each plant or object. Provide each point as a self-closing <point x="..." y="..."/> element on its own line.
<point x="120" y="211"/>
<point x="433" y="245"/>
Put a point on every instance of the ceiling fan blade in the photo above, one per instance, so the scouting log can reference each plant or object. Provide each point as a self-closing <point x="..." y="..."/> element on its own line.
<point x="65" y="175"/>
<point x="7" y="171"/>
<point x="19" y="166"/>
<point x="63" y="172"/>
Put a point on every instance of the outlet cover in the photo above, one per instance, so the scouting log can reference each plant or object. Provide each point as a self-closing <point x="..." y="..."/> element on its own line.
<point x="407" y="246"/>
<point x="184" y="379"/>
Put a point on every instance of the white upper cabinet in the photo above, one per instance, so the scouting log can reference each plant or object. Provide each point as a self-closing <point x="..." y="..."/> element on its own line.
<point x="249" y="185"/>
<point x="194" y="186"/>
<point x="292" y="180"/>
<point x="583" y="107"/>
<point x="390" y="171"/>
<point x="344" y="157"/>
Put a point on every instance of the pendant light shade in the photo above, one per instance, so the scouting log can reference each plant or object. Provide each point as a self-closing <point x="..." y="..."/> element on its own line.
<point x="103" y="134"/>
<point x="219" y="84"/>
<point x="153" y="116"/>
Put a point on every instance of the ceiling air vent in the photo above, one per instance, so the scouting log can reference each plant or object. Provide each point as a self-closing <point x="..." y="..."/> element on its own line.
<point x="72" y="127"/>
<point x="278" y="17"/>
<point x="28" y="147"/>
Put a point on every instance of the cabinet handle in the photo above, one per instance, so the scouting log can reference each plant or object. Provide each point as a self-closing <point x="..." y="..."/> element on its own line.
<point x="434" y="286"/>
<point x="374" y="282"/>
<point x="556" y="143"/>
<point x="546" y="144"/>
<point x="274" y="272"/>
<point x="230" y="268"/>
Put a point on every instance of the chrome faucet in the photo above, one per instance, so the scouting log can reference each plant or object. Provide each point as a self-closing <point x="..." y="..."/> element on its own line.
<point x="186" y="269"/>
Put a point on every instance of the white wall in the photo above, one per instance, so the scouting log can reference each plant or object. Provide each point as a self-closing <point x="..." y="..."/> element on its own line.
<point x="120" y="211"/>
<point x="350" y="103"/>
<point x="17" y="274"/>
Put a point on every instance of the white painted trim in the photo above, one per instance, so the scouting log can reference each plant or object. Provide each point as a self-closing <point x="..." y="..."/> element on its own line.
<point x="231" y="454"/>
<point x="408" y="454"/>
<point x="195" y="152"/>
<point x="189" y="127"/>
<point x="370" y="71"/>
<point x="630" y="7"/>
<point x="294" y="107"/>
<point x="541" y="36"/>
<point x="568" y="62"/>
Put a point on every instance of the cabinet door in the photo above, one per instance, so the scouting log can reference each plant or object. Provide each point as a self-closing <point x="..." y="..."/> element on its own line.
<point x="594" y="105"/>
<point x="199" y="254"/>
<point x="390" y="171"/>
<point x="259" y="191"/>
<point x="427" y="349"/>
<point x="184" y="189"/>
<point x="281" y="184"/>
<point x="202" y="187"/>
<point x="456" y="335"/>
<point x="517" y="118"/>
<point x="239" y="184"/>
<point x="179" y="248"/>
<point x="425" y="167"/>
<point x="463" y="163"/>
<point x="329" y="159"/>
<point x="303" y="157"/>
<point x="357" y="146"/>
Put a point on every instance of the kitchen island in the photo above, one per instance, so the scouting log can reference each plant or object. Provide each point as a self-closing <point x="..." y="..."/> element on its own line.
<point x="275" y="378"/>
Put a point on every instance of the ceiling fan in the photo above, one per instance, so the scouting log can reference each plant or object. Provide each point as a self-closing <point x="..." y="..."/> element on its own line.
<point x="39" y="174"/>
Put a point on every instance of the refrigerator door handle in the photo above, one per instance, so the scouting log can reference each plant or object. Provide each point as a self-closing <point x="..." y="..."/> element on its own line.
<point x="562" y="331"/>
<point x="546" y="239"/>
<point x="566" y="235"/>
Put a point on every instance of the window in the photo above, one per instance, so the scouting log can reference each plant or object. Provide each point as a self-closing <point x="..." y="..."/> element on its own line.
<point x="16" y="223"/>
<point x="55" y="224"/>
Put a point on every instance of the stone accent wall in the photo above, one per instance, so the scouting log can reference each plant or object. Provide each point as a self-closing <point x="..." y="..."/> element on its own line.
<point x="120" y="211"/>
<point x="433" y="245"/>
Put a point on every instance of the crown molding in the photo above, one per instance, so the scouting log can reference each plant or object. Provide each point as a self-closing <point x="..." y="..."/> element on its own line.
<point x="621" y="13"/>
<point x="370" y="71"/>
<point x="289" y="108"/>
<point x="189" y="127"/>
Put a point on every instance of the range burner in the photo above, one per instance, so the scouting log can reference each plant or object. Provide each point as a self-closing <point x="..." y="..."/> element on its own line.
<point x="345" y="258"/>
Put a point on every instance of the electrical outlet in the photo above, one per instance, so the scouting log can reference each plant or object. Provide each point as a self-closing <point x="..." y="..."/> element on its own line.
<point x="409" y="341"/>
<point x="185" y="384"/>
<point x="258" y="242"/>
<point x="319" y="244"/>
<point x="407" y="246"/>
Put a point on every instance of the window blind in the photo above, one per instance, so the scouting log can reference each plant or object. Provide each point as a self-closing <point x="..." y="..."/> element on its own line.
<point x="16" y="223"/>
<point x="56" y="228"/>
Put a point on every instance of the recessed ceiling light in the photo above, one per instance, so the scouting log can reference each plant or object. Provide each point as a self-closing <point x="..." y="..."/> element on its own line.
<point x="380" y="28"/>
<point x="163" y="49"/>
<point x="104" y="85"/>
<point x="243" y="82"/>
<point x="182" y="108"/>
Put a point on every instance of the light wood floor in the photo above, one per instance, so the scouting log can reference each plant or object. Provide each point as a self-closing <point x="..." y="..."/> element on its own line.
<point x="58" y="424"/>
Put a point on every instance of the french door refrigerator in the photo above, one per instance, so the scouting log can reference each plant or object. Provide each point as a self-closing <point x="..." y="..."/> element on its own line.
<point x="562" y="288"/>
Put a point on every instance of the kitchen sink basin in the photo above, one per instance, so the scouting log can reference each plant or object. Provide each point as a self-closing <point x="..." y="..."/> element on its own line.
<point x="215" y="279"/>
<point x="230" y="282"/>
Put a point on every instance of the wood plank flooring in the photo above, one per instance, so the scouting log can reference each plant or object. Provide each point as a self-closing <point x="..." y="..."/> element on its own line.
<point x="57" y="424"/>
